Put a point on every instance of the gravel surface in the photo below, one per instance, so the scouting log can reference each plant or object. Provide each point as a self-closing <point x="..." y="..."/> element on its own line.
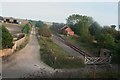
<point x="26" y="61"/>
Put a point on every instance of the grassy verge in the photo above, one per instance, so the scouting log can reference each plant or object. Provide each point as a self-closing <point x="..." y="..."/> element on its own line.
<point x="55" y="56"/>
<point x="107" y="74"/>
<point x="89" y="47"/>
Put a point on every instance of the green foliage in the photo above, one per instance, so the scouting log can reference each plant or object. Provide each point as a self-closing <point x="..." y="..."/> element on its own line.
<point x="7" y="39"/>
<point x="39" y="24"/>
<point x="80" y="25"/>
<point x="117" y="36"/>
<point x="116" y="54"/>
<point x="90" y="31"/>
<point x="106" y="41"/>
<point x="109" y="30"/>
<point x="44" y="31"/>
<point x="56" y="57"/>
<point x="26" y="29"/>
<point x="118" y="48"/>
<point x="113" y="26"/>
<point x="95" y="29"/>
<point x="86" y="38"/>
<point x="55" y="27"/>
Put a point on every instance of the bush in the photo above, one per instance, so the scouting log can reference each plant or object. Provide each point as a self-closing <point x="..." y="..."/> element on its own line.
<point x="39" y="24"/>
<point x="86" y="38"/>
<point x="44" y="31"/>
<point x="26" y="29"/>
<point x="106" y="41"/>
<point x="7" y="39"/>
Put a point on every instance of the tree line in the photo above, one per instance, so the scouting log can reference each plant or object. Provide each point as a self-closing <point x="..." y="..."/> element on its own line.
<point x="89" y="30"/>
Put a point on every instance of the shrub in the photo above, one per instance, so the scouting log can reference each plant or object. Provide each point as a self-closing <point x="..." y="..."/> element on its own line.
<point x="44" y="31"/>
<point x="26" y="29"/>
<point x="7" y="39"/>
<point x="86" y="38"/>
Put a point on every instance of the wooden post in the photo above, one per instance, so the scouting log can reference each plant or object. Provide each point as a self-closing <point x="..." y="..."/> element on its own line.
<point x="94" y="72"/>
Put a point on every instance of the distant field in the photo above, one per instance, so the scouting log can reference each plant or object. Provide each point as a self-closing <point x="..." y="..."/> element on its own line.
<point x="13" y="28"/>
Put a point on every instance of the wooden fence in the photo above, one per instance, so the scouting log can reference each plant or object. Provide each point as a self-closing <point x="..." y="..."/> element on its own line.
<point x="97" y="60"/>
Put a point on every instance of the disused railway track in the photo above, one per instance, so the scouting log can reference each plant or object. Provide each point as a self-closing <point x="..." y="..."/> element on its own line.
<point x="83" y="53"/>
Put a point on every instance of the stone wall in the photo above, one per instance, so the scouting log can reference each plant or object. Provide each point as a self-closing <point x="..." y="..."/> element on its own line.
<point x="6" y="52"/>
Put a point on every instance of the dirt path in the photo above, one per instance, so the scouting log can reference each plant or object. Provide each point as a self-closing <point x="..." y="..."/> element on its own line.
<point x="26" y="61"/>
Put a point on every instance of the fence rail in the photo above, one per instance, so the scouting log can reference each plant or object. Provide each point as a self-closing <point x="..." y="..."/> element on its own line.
<point x="97" y="60"/>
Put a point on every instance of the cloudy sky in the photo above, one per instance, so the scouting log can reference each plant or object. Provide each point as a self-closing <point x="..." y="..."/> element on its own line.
<point x="105" y="13"/>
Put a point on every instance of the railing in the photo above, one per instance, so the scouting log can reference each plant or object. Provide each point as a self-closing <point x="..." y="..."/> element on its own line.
<point x="97" y="60"/>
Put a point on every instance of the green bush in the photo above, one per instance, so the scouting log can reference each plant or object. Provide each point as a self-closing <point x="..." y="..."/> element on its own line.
<point x="86" y="38"/>
<point x="106" y="41"/>
<point x="26" y="29"/>
<point x="7" y="39"/>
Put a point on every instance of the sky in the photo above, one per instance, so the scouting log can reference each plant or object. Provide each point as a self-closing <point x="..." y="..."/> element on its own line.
<point x="105" y="13"/>
<point x="119" y="15"/>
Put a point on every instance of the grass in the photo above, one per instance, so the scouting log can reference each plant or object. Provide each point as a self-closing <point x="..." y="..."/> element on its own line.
<point x="89" y="47"/>
<point x="56" y="57"/>
<point x="105" y="74"/>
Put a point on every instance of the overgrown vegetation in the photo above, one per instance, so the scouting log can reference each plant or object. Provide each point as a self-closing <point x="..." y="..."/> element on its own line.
<point x="92" y="36"/>
<point x="56" y="57"/>
<point x="90" y="31"/>
<point x="39" y="24"/>
<point x="90" y="48"/>
<point x="44" y="31"/>
<point x="6" y="40"/>
<point x="26" y="29"/>
<point x="52" y="54"/>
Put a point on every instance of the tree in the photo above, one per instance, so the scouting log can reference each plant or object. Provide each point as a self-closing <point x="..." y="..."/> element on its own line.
<point x="39" y="24"/>
<point x="118" y="48"/>
<point x="55" y="28"/>
<point x="106" y="41"/>
<point x="109" y="30"/>
<point x="26" y="29"/>
<point x="113" y="26"/>
<point x="7" y="39"/>
<point x="117" y="36"/>
<point x="80" y="25"/>
<point x="44" y="31"/>
<point x="95" y="29"/>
